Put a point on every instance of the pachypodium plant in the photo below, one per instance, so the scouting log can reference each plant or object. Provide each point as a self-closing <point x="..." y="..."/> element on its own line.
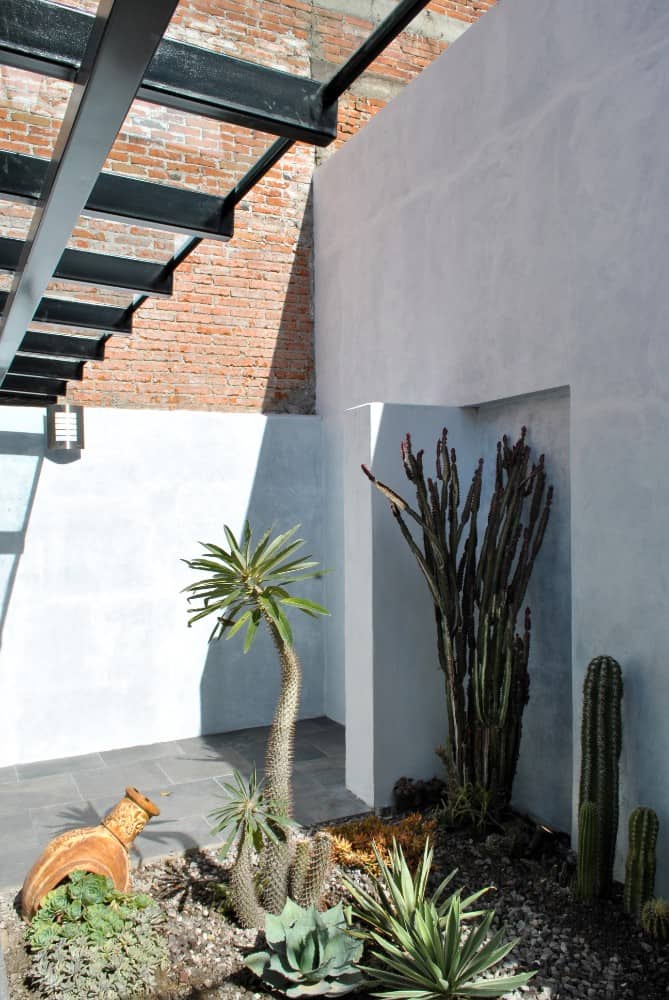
<point x="245" y="587"/>
<point x="641" y="861"/>
<point x="601" y="736"/>
<point x="309" y="953"/>
<point x="477" y="592"/>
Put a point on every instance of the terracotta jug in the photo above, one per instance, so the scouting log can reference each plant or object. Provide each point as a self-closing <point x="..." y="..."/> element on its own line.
<point x="101" y="849"/>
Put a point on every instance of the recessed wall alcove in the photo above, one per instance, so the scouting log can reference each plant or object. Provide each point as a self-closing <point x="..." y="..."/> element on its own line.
<point x="395" y="700"/>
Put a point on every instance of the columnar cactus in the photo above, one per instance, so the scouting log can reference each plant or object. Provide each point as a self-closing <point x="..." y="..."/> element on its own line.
<point x="601" y="730"/>
<point x="478" y="592"/>
<point x="640" y="864"/>
<point x="588" y="838"/>
<point x="655" y="919"/>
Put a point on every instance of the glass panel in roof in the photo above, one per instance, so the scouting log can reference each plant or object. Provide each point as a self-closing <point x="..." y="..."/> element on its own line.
<point x="32" y="108"/>
<point x="183" y="150"/>
<point x="270" y="33"/>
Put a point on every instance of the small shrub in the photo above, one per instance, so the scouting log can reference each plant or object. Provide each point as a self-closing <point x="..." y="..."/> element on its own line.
<point x="90" y="941"/>
<point x="471" y="805"/>
<point x="309" y="953"/>
<point x="352" y="841"/>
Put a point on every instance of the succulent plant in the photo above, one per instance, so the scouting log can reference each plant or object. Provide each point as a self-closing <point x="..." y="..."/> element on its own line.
<point x="417" y="945"/>
<point x="601" y="731"/>
<point x="309" y="953"/>
<point x="86" y="907"/>
<point x="655" y="919"/>
<point x="477" y="593"/>
<point x="244" y="587"/>
<point x="641" y="861"/>
<point x="90" y="941"/>
<point x="588" y="840"/>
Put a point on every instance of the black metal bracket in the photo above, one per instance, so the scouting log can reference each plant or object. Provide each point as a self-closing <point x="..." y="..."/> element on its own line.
<point x="51" y="40"/>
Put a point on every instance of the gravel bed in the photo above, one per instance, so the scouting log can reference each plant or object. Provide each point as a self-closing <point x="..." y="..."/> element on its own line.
<point x="581" y="952"/>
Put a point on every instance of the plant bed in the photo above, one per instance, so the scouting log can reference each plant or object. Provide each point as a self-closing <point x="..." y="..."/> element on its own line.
<point x="580" y="951"/>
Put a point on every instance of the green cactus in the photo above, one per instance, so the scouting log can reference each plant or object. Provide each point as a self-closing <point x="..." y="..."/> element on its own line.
<point x="601" y="731"/>
<point x="640" y="863"/>
<point x="243" y="587"/>
<point x="588" y="838"/>
<point x="655" y="919"/>
<point x="478" y="592"/>
<point x="310" y="868"/>
<point x="309" y="953"/>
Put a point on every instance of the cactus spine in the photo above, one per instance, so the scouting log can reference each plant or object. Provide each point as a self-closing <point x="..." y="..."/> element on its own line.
<point x="655" y="919"/>
<point x="477" y="593"/>
<point x="588" y="836"/>
<point x="640" y="864"/>
<point x="600" y="751"/>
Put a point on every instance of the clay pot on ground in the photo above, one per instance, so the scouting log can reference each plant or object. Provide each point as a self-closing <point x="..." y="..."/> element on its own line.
<point x="100" y="849"/>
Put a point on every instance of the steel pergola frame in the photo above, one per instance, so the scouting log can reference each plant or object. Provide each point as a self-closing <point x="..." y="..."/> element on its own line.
<point x="112" y="59"/>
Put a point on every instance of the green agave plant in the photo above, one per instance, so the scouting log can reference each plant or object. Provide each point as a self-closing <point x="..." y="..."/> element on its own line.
<point x="244" y="586"/>
<point x="420" y="948"/>
<point x="309" y="953"/>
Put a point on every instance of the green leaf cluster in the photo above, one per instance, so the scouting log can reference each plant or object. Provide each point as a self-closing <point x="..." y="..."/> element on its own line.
<point x="87" y="906"/>
<point x="244" y="584"/>
<point x="309" y="953"/>
<point x="247" y="814"/>
<point x="91" y="942"/>
<point x="421" y="947"/>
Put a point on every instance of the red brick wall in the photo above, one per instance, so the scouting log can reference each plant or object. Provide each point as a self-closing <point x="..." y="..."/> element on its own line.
<point x="238" y="332"/>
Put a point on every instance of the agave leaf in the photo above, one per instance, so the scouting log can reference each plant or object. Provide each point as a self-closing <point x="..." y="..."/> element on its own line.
<point x="235" y="552"/>
<point x="495" y="987"/>
<point x="257" y="962"/>
<point x="250" y="634"/>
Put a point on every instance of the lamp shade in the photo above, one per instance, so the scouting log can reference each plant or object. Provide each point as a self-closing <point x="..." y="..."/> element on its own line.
<point x="64" y="427"/>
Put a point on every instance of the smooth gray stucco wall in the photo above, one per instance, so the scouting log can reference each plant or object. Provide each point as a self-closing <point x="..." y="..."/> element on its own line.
<point x="95" y="652"/>
<point x="516" y="245"/>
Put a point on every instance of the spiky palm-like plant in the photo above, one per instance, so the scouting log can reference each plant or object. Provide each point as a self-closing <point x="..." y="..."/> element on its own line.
<point x="245" y="586"/>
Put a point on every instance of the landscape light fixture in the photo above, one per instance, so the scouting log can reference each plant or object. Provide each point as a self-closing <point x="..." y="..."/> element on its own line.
<point x="64" y="427"/>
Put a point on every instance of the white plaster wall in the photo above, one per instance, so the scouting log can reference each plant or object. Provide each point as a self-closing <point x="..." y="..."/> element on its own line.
<point x="502" y="227"/>
<point x="95" y="652"/>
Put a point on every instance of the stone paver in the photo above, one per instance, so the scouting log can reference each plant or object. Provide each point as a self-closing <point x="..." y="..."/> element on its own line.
<point x="183" y="777"/>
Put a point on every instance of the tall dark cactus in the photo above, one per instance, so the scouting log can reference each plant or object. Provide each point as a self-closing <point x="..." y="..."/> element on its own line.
<point x="477" y="593"/>
<point x="601" y="730"/>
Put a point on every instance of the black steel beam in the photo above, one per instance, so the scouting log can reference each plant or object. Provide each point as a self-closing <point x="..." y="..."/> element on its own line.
<point x="51" y="40"/>
<point x="24" y="364"/>
<point x="25" y="399"/>
<point x="62" y="345"/>
<point x="373" y="46"/>
<point x="124" y="199"/>
<point x="83" y="315"/>
<point x="97" y="269"/>
<point x="35" y="385"/>
<point x="120" y="47"/>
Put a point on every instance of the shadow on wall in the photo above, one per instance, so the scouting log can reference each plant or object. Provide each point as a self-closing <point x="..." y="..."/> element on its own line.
<point x="22" y="455"/>
<point x="290" y="384"/>
<point x="236" y="690"/>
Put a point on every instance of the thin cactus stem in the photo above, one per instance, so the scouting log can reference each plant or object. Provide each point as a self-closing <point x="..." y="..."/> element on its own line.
<point x="641" y="861"/>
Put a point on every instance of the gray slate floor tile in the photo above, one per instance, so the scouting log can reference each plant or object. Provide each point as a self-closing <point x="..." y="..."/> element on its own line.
<point x="111" y="782"/>
<point x="177" y="835"/>
<point x="64" y="765"/>
<point x="35" y="792"/>
<point x="49" y="821"/>
<point x="8" y="776"/>
<point x="197" y="766"/>
<point x="128" y="755"/>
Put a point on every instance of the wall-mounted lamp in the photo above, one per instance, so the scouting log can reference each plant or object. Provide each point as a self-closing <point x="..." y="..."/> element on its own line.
<point x="64" y="427"/>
